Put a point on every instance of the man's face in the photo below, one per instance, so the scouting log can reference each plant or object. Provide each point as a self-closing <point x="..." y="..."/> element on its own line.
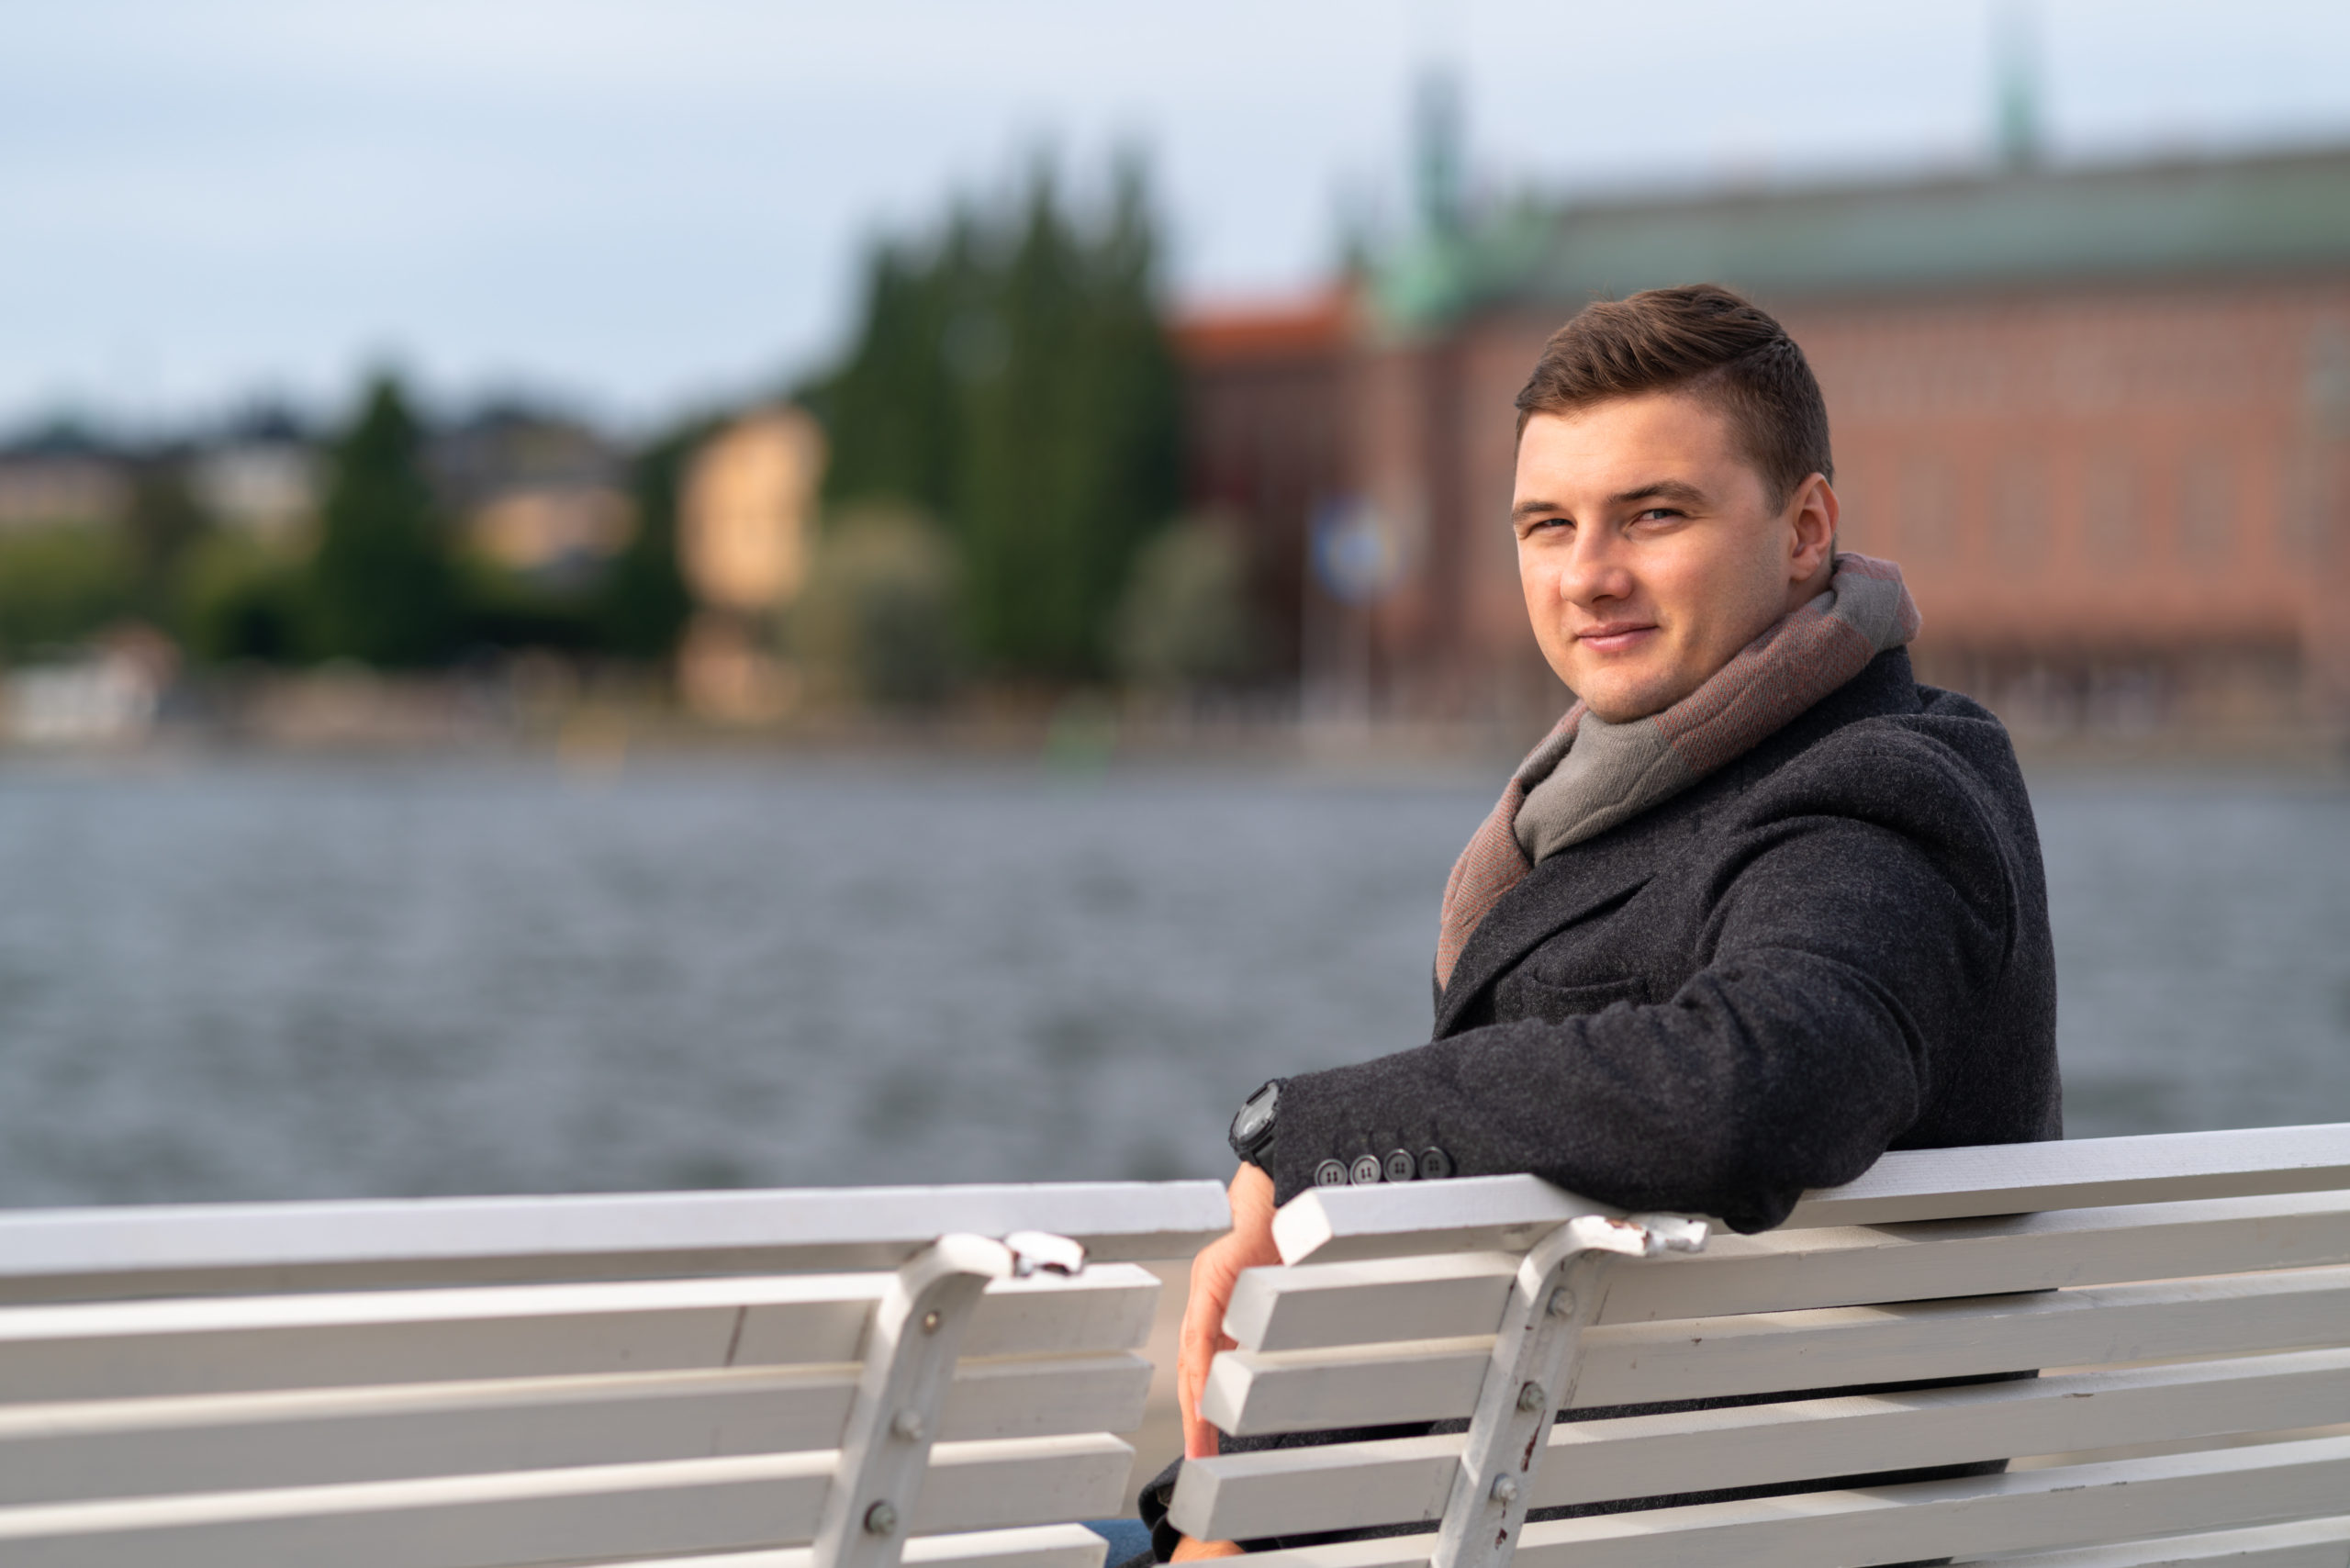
<point x="1651" y="549"/>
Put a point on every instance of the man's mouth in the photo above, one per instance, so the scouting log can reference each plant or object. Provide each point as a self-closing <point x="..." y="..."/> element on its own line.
<point x="1614" y="636"/>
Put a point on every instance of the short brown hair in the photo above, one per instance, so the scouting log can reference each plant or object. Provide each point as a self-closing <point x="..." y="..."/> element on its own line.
<point x="1700" y="339"/>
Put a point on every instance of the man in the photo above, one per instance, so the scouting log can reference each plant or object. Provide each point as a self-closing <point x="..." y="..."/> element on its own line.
<point x="1758" y="909"/>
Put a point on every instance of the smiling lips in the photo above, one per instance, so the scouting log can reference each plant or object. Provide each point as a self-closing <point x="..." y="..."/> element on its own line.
<point x="1616" y="636"/>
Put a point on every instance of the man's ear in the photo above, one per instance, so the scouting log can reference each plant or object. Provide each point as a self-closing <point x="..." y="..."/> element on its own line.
<point x="1812" y="515"/>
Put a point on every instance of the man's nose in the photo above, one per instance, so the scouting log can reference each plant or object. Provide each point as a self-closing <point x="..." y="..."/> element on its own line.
<point x="1593" y="569"/>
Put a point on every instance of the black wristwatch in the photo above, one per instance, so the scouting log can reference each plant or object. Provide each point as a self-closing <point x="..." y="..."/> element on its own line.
<point x="1252" y="1125"/>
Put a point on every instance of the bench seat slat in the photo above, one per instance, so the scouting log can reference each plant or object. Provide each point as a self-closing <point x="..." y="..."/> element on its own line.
<point x="2024" y="1511"/>
<point x="1253" y="1392"/>
<point x="228" y="1344"/>
<point x="1301" y="1490"/>
<point x="590" y="1512"/>
<point x="157" y="1446"/>
<point x="1443" y="1297"/>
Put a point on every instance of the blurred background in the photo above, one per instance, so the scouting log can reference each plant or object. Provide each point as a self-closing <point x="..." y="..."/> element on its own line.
<point x="606" y="595"/>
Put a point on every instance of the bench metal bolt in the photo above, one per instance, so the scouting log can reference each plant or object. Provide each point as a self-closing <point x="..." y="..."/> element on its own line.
<point x="907" y="1424"/>
<point x="1561" y="1303"/>
<point x="1531" y="1398"/>
<point x="930" y="1321"/>
<point x="880" y="1519"/>
<point x="1504" y="1490"/>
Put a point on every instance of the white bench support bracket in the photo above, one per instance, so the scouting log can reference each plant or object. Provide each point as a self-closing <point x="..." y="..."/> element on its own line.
<point x="1551" y="1303"/>
<point x="910" y="1357"/>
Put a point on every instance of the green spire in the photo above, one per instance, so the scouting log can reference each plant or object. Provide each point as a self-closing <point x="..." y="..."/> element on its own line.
<point x="2018" y="65"/>
<point x="1437" y="152"/>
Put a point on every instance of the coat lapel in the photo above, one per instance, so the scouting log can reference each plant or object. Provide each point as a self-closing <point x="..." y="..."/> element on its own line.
<point x="1564" y="889"/>
<point x="1571" y="885"/>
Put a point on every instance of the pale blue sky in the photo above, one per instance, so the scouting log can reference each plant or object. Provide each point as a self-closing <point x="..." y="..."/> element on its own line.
<point x="635" y="203"/>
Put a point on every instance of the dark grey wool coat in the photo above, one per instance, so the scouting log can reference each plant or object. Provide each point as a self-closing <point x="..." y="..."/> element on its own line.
<point x="1835" y="945"/>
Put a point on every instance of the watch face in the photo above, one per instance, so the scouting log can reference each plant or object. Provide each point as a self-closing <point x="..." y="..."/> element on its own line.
<point x="1256" y="1116"/>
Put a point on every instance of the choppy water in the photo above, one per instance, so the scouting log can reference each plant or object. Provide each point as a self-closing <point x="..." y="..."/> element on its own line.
<point x="290" y="979"/>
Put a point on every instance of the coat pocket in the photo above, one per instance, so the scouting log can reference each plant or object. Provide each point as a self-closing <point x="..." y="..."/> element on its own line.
<point x="1523" y="996"/>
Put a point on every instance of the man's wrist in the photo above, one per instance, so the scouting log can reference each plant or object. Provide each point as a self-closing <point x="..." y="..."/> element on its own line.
<point x="1256" y="1124"/>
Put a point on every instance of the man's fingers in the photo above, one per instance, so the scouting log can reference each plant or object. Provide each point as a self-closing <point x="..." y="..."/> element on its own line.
<point x="1198" y="1432"/>
<point x="1202" y="1337"/>
<point x="1191" y="1382"/>
<point x="1215" y="1272"/>
<point x="1190" y="1550"/>
<point x="1199" y="1437"/>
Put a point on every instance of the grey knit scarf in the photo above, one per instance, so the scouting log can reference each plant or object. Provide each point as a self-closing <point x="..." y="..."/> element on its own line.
<point x="1588" y="775"/>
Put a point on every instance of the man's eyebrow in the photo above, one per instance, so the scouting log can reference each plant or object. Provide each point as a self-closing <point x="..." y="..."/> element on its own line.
<point x="1661" y="490"/>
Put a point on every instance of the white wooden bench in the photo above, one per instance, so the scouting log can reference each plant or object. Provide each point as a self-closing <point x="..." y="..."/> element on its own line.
<point x="2193" y="1314"/>
<point x="748" y="1379"/>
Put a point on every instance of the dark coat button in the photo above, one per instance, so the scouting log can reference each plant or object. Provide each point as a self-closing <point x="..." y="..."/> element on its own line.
<point x="1401" y="1166"/>
<point x="1329" y="1173"/>
<point x="1366" y="1170"/>
<point x="1435" y="1164"/>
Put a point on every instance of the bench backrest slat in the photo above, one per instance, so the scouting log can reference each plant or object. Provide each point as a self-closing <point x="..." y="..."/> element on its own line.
<point x="2025" y="1178"/>
<point x="160" y="1447"/>
<point x="1317" y="1304"/>
<point x="1039" y="1546"/>
<point x="1299" y="1491"/>
<point x="598" y="1512"/>
<point x="114" y="1350"/>
<point x="1848" y="1265"/>
<point x="1508" y="1212"/>
<point x="196" y="1249"/>
<point x="1255" y="1392"/>
<point x="2309" y="1543"/>
<point x="1963" y="1519"/>
<point x="1971" y="1517"/>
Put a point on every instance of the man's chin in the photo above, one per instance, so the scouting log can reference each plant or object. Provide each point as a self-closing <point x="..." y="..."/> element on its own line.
<point x="1622" y="701"/>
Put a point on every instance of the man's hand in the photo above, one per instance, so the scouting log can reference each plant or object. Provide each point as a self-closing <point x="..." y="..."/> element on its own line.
<point x="1213" y="1272"/>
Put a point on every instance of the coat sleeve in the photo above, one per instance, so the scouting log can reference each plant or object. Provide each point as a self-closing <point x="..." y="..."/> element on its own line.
<point x="1847" y="946"/>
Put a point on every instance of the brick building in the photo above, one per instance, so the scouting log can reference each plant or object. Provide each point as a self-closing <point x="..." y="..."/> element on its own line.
<point x="2101" y="417"/>
<point x="1269" y="439"/>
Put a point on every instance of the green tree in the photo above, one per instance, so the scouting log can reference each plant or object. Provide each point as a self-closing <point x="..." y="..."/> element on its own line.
<point x="893" y="409"/>
<point x="242" y="599"/>
<point x="383" y="585"/>
<point x="59" y="584"/>
<point x="163" y="524"/>
<point x="1012" y="377"/>
<point x="643" y="603"/>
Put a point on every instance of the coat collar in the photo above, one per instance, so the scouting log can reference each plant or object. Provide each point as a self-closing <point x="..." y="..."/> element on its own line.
<point x="1568" y="887"/>
<point x="1601" y="872"/>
